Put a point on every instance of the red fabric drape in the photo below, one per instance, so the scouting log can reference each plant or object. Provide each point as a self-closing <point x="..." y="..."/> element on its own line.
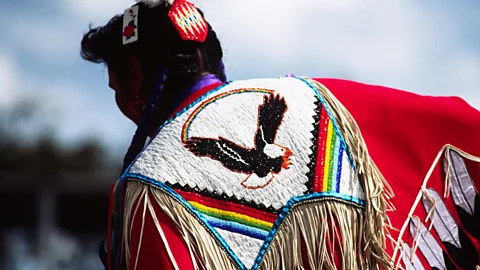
<point x="403" y="132"/>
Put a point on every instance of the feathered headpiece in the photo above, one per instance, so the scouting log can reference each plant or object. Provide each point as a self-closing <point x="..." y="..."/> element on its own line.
<point x="186" y="18"/>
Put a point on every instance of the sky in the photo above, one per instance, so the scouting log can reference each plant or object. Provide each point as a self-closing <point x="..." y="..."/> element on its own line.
<point x="430" y="47"/>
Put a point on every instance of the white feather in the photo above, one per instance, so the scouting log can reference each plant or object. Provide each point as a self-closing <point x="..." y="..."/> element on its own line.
<point x="443" y="222"/>
<point x="410" y="259"/>
<point x="462" y="189"/>
<point x="230" y="152"/>
<point x="427" y="244"/>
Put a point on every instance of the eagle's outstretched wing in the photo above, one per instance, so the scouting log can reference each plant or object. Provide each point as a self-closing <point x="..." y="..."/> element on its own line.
<point x="270" y="116"/>
<point x="231" y="155"/>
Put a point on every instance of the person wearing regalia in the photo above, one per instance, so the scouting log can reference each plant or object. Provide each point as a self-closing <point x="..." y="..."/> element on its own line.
<point x="277" y="173"/>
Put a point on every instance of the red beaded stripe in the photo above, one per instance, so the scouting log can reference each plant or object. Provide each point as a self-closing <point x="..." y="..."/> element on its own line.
<point x="319" y="167"/>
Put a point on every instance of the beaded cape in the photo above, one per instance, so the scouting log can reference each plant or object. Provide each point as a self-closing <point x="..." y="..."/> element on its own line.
<point x="295" y="224"/>
<point x="236" y="168"/>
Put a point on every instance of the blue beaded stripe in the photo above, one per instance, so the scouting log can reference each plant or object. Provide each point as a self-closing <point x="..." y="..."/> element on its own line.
<point x="339" y="168"/>
<point x="236" y="227"/>
<point x="336" y="173"/>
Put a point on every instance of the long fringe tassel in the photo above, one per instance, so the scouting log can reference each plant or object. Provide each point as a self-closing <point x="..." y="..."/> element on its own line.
<point x="140" y="195"/>
<point x="378" y="192"/>
<point x="205" y="251"/>
<point x="313" y="231"/>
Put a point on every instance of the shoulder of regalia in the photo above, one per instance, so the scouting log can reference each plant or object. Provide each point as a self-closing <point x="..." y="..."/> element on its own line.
<point x="255" y="168"/>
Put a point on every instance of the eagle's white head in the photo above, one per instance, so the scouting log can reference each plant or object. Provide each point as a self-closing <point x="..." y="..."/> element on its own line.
<point x="275" y="151"/>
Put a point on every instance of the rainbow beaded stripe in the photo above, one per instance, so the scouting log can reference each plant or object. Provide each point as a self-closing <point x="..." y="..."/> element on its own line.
<point x="231" y="216"/>
<point x="330" y="150"/>
<point x="190" y="119"/>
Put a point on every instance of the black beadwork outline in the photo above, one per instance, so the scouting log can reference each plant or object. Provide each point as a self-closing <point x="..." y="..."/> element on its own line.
<point x="313" y="155"/>
<point x="223" y="197"/>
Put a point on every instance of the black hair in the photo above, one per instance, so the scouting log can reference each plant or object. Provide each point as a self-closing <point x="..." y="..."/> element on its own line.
<point x="158" y="45"/>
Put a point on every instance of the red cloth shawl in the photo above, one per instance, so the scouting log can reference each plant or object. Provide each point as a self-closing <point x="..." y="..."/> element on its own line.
<point x="403" y="131"/>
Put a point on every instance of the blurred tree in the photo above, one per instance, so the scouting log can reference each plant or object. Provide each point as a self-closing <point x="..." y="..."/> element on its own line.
<point x="48" y="157"/>
<point x="22" y="148"/>
<point x="89" y="155"/>
<point x="31" y="159"/>
<point x="15" y="118"/>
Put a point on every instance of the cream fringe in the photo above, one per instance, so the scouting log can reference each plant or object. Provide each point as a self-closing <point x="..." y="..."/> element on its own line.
<point x="445" y="151"/>
<point x="378" y="192"/>
<point x="205" y="251"/>
<point x="319" y="225"/>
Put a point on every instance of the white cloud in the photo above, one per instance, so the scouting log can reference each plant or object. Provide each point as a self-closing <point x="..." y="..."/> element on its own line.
<point x="56" y="38"/>
<point x="46" y="39"/>
<point x="398" y="43"/>
<point x="95" y="11"/>
<point x="465" y="79"/>
<point x="401" y="44"/>
<point x="63" y="108"/>
<point x="78" y="114"/>
<point x="9" y="90"/>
